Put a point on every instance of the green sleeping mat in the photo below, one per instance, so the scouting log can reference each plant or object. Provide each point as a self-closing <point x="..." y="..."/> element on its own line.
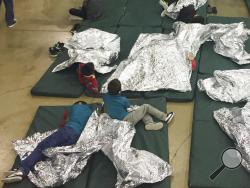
<point x="176" y="96"/>
<point x="64" y="83"/>
<point x="208" y="143"/>
<point x="167" y="22"/>
<point x="142" y="13"/>
<point x="99" y="171"/>
<point x="61" y="84"/>
<point x="211" y="61"/>
<point x="113" y="11"/>
<point x="48" y="118"/>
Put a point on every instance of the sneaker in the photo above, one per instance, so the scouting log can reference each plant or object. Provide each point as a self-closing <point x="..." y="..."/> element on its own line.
<point x="53" y="52"/>
<point x="13" y="24"/>
<point x="13" y="176"/>
<point x="7" y="173"/>
<point x="169" y="117"/>
<point x="56" y="49"/>
<point x="12" y="179"/>
<point x="15" y="173"/>
<point x="154" y="126"/>
<point x="59" y="45"/>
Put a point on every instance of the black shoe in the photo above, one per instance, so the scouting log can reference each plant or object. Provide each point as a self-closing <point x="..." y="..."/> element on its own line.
<point x="59" y="45"/>
<point x="77" y="12"/>
<point x="12" y="24"/>
<point x="53" y="52"/>
<point x="214" y="10"/>
<point x="56" y="49"/>
<point x="211" y="10"/>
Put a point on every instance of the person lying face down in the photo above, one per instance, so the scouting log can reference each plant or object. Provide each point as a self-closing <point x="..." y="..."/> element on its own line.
<point x="86" y="76"/>
<point x="117" y="106"/>
<point x="90" y="10"/>
<point x="68" y="135"/>
<point x="188" y="14"/>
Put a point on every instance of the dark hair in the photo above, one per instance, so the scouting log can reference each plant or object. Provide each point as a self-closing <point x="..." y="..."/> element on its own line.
<point x="80" y="102"/>
<point x="88" y="69"/>
<point x="114" y="87"/>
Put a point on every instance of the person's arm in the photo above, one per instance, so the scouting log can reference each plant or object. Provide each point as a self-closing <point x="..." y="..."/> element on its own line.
<point x="92" y="85"/>
<point x="192" y="60"/>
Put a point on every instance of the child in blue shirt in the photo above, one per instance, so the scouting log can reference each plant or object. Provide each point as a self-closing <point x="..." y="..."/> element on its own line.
<point x="117" y="105"/>
<point x="68" y="135"/>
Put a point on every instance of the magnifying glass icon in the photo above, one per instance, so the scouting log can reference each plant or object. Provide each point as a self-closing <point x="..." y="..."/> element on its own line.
<point x="231" y="158"/>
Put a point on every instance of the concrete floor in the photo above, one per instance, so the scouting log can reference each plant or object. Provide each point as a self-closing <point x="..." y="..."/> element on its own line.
<point x="24" y="58"/>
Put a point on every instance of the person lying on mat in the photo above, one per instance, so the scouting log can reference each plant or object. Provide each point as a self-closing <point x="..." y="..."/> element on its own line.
<point x="86" y="76"/>
<point x="117" y="108"/>
<point x="91" y="10"/>
<point x="67" y="135"/>
<point x="187" y="14"/>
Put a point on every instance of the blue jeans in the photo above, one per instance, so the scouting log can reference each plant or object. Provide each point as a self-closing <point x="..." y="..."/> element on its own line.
<point x="9" y="13"/>
<point x="62" y="137"/>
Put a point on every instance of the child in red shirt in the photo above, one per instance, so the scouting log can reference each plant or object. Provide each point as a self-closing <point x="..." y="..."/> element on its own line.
<point x="86" y="76"/>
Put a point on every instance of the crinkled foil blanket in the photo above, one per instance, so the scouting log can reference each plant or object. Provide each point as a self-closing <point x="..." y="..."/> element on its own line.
<point x="158" y="61"/>
<point x="174" y="9"/>
<point x="92" y="45"/>
<point x="228" y="86"/>
<point x="113" y="137"/>
<point x="235" y="122"/>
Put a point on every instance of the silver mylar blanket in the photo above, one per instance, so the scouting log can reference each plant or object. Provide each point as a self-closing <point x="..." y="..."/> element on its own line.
<point x="235" y="122"/>
<point x="92" y="45"/>
<point x="158" y="61"/>
<point x="228" y="86"/>
<point x="174" y="9"/>
<point x="229" y="41"/>
<point x="113" y="137"/>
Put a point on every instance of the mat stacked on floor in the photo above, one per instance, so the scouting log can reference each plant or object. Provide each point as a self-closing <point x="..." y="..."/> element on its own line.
<point x="100" y="172"/>
<point x="128" y="18"/>
<point x="208" y="140"/>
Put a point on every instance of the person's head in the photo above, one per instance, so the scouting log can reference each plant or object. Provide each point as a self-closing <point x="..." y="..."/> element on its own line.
<point x="80" y="102"/>
<point x="88" y="69"/>
<point x="114" y="87"/>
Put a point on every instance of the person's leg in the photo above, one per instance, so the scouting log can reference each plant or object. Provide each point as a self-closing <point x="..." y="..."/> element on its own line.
<point x="62" y="137"/>
<point x="9" y="14"/>
<point x="198" y="19"/>
<point x="154" y="112"/>
<point x="143" y="113"/>
<point x="139" y="114"/>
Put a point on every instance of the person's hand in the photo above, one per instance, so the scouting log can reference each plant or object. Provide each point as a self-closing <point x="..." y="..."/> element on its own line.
<point x="190" y="56"/>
